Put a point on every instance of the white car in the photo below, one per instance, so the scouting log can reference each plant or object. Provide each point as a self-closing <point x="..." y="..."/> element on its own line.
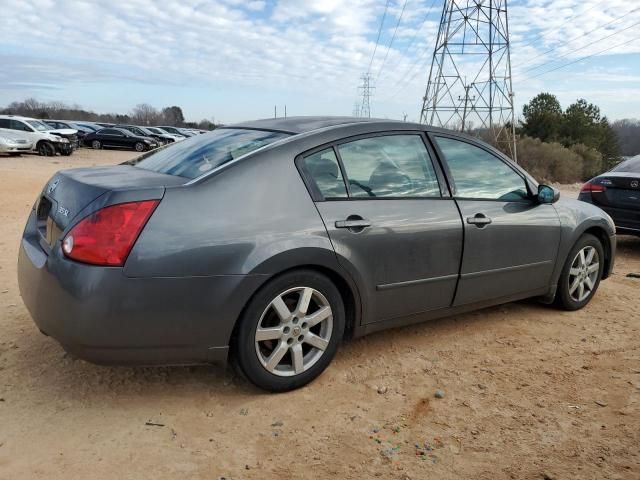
<point x="161" y="131"/>
<point x="12" y="145"/>
<point x="44" y="139"/>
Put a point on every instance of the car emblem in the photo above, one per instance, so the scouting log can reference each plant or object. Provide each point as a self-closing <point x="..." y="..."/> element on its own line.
<point x="53" y="185"/>
<point x="634" y="183"/>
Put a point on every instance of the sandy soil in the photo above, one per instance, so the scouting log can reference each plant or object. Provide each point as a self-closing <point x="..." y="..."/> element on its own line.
<point x="529" y="392"/>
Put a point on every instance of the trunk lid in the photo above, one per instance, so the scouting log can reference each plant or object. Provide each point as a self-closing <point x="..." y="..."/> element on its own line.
<point x="622" y="190"/>
<point x="69" y="193"/>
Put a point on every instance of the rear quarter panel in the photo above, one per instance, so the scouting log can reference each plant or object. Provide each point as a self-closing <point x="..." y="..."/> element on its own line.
<point x="253" y="218"/>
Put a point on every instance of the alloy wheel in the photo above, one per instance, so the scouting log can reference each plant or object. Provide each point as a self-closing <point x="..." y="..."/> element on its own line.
<point x="583" y="274"/>
<point x="294" y="331"/>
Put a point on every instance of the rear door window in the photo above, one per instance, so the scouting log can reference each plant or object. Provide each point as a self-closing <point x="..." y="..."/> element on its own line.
<point x="389" y="166"/>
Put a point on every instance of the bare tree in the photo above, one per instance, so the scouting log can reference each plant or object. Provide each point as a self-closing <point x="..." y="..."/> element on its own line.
<point x="145" y="114"/>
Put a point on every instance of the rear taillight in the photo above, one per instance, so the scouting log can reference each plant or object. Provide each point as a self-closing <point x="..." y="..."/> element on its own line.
<point x="107" y="236"/>
<point x="591" y="187"/>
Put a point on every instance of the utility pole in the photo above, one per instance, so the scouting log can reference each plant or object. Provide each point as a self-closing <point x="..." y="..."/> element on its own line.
<point x="366" y="89"/>
<point x="473" y="40"/>
<point x="275" y="111"/>
<point x="356" y="109"/>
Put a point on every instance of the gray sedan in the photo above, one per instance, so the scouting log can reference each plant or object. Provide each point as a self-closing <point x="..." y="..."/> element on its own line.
<point x="276" y="239"/>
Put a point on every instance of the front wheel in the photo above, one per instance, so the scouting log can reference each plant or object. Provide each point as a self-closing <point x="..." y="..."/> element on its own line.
<point x="96" y="145"/>
<point x="290" y="331"/>
<point x="139" y="146"/>
<point x="581" y="274"/>
<point x="46" y="149"/>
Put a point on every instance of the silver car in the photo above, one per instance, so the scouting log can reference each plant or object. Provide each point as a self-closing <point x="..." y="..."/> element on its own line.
<point x="274" y="240"/>
<point x="13" y="145"/>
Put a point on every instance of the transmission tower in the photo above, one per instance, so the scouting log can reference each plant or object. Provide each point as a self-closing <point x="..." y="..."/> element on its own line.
<point x="469" y="85"/>
<point x="366" y="89"/>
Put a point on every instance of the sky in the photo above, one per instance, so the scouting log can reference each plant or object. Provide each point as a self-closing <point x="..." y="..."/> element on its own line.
<point x="234" y="60"/>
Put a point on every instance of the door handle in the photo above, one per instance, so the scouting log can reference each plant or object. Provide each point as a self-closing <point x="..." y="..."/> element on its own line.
<point x="353" y="222"/>
<point x="479" y="220"/>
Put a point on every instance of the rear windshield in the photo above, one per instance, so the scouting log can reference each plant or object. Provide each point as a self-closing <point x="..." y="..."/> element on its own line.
<point x="197" y="155"/>
<point x="631" y="165"/>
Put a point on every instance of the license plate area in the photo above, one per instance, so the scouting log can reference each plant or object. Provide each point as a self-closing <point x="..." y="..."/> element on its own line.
<point x="44" y="220"/>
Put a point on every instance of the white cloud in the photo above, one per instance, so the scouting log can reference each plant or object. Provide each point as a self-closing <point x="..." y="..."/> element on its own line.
<point x="312" y="48"/>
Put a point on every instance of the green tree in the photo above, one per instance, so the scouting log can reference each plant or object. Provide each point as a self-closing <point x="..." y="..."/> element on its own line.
<point x="584" y="124"/>
<point x="542" y="118"/>
<point x="608" y="145"/>
<point x="581" y="120"/>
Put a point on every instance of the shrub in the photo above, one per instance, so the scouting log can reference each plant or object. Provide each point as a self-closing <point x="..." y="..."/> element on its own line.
<point x="549" y="162"/>
<point x="592" y="162"/>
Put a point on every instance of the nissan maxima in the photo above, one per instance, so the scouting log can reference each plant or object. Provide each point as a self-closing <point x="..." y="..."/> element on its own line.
<point x="272" y="241"/>
<point x="617" y="192"/>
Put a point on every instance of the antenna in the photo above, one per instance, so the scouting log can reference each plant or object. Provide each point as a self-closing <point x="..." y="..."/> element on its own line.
<point x="473" y="39"/>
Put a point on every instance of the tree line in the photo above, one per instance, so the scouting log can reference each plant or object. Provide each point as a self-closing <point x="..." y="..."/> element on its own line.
<point x="142" y="114"/>
<point x="572" y="144"/>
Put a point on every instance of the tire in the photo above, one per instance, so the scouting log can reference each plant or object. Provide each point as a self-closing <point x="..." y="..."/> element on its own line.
<point x="579" y="280"/>
<point x="96" y="144"/>
<point x="46" y="149"/>
<point x="285" y="335"/>
<point x="139" y="146"/>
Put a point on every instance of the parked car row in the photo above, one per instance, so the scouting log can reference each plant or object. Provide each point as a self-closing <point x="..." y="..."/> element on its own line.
<point x="49" y="137"/>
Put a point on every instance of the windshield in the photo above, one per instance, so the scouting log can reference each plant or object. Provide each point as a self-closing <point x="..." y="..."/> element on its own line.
<point x="41" y="127"/>
<point x="155" y="130"/>
<point x="198" y="155"/>
<point x="631" y="165"/>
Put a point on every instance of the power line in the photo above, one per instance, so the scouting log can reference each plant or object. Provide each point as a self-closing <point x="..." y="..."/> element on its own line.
<point x="412" y="41"/>
<point x="539" y="37"/>
<point x="584" y="58"/>
<point x="386" y="7"/>
<point x="580" y="36"/>
<point x="581" y="48"/>
<point x="403" y="80"/>
<point x="393" y="37"/>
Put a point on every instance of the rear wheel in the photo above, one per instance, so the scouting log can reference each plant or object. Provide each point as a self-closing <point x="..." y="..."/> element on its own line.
<point x="96" y="145"/>
<point x="290" y="331"/>
<point x="581" y="274"/>
<point x="46" y="149"/>
<point x="139" y="146"/>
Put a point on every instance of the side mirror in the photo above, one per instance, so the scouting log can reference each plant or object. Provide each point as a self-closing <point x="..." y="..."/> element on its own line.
<point x="548" y="194"/>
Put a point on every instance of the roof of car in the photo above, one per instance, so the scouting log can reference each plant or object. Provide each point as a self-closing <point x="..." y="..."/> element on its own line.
<point x="19" y="117"/>
<point x="295" y="125"/>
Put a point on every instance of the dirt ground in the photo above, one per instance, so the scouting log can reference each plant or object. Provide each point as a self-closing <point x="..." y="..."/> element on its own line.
<point x="529" y="393"/>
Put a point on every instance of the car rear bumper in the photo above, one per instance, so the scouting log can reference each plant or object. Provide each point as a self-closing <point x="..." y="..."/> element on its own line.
<point x="101" y="315"/>
<point x="627" y="220"/>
